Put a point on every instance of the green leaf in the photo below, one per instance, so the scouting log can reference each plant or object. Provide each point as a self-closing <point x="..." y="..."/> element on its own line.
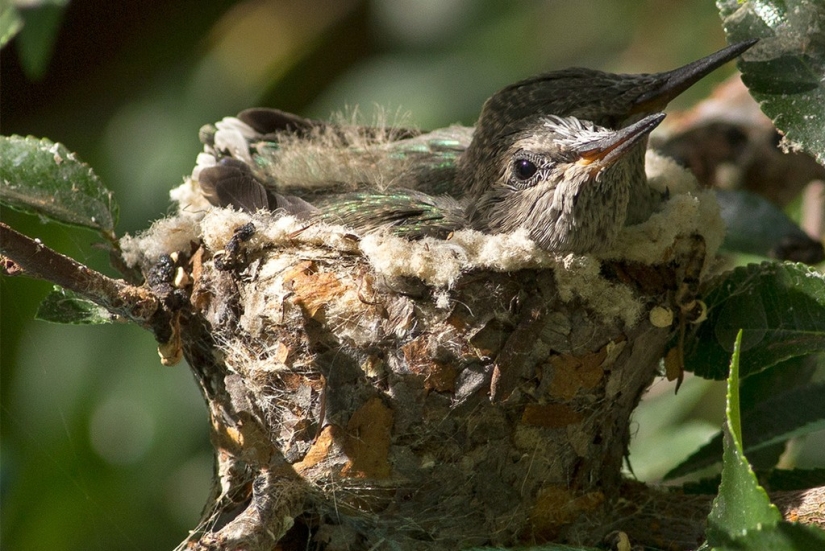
<point x="775" y="480"/>
<point x="794" y="413"/>
<point x="64" y="306"/>
<point x="764" y="386"/>
<point x="785" y="71"/>
<point x="10" y="23"/>
<point x="37" y="37"/>
<point x="733" y="421"/>
<point x="758" y="226"/>
<point x="784" y="536"/>
<point x="741" y="504"/>
<point x="794" y="479"/>
<point x="780" y="308"/>
<point x="703" y="486"/>
<point x="45" y="178"/>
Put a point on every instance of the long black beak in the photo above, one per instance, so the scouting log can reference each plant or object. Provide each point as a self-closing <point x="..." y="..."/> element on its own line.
<point x="673" y="83"/>
<point x="605" y="151"/>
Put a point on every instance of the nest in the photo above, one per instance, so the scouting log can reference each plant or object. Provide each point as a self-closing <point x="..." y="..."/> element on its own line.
<point x="365" y="390"/>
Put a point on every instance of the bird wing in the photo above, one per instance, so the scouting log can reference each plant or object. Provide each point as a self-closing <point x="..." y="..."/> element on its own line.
<point x="292" y="155"/>
<point x="404" y="212"/>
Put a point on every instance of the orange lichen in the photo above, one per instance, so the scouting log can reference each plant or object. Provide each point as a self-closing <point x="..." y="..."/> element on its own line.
<point x="556" y="507"/>
<point x="313" y="290"/>
<point x="368" y="441"/>
<point x="550" y="416"/>
<point x="320" y="450"/>
<point x="572" y="373"/>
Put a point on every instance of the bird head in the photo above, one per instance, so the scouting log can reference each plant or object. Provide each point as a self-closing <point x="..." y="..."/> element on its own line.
<point x="607" y="99"/>
<point x="565" y="180"/>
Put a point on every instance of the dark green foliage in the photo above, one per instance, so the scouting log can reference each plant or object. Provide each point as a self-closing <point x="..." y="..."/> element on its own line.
<point x="62" y="306"/>
<point x="44" y="178"/>
<point x="780" y="309"/>
<point x="785" y="72"/>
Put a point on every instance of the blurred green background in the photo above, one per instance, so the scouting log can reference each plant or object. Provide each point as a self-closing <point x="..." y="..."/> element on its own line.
<point x="104" y="448"/>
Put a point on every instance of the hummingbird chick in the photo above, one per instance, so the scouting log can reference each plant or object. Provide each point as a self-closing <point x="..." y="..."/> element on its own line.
<point x="606" y="99"/>
<point x="564" y="180"/>
<point x="560" y="154"/>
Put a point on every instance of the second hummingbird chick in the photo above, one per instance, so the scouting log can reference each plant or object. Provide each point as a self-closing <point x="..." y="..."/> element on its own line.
<point x="566" y="181"/>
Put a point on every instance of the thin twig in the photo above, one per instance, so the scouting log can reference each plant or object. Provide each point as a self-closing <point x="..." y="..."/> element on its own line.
<point x="36" y="260"/>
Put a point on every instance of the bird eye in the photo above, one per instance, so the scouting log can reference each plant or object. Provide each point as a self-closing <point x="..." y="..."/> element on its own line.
<point x="524" y="169"/>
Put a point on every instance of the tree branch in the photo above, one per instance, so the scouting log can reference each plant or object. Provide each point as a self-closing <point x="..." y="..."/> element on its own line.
<point x="653" y="516"/>
<point x="34" y="259"/>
